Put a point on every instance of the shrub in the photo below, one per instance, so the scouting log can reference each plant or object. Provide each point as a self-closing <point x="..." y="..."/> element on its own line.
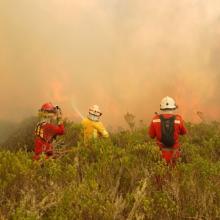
<point x="121" y="178"/>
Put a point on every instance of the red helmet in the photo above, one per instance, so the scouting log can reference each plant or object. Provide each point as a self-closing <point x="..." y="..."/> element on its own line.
<point x="47" y="107"/>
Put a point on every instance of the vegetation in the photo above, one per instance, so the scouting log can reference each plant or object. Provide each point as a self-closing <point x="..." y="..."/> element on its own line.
<point x="6" y="129"/>
<point x="120" y="178"/>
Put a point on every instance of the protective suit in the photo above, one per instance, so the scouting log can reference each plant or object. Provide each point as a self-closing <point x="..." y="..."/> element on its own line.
<point x="46" y="131"/>
<point x="92" y="127"/>
<point x="166" y="128"/>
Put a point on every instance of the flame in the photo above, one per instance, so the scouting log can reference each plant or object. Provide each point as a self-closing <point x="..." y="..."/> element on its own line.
<point x="57" y="89"/>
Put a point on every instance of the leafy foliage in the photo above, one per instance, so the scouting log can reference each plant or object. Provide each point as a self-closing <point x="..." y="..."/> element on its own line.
<point x="120" y="178"/>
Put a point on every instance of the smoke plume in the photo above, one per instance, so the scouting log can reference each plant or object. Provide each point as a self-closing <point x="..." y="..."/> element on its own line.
<point x="122" y="55"/>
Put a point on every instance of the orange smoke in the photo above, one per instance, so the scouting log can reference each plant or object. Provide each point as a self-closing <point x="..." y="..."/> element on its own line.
<point x="122" y="55"/>
<point x="57" y="89"/>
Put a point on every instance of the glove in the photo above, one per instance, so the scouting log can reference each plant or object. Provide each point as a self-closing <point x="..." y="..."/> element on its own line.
<point x="58" y="109"/>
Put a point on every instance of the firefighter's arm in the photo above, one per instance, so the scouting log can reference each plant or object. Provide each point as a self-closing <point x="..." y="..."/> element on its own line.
<point x="182" y="128"/>
<point x="58" y="129"/>
<point x="60" y="126"/>
<point x="101" y="129"/>
<point x="151" y="130"/>
<point x="59" y="115"/>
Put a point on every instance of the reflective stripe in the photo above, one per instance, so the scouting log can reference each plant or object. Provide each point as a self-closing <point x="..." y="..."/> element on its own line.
<point x="156" y="120"/>
<point x="39" y="132"/>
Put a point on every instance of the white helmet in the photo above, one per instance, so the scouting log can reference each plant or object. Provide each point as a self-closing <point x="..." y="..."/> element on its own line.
<point x="95" y="110"/>
<point x="168" y="103"/>
<point x="94" y="113"/>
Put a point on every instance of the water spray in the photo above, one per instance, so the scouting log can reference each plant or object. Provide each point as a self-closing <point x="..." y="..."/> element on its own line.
<point x="77" y="111"/>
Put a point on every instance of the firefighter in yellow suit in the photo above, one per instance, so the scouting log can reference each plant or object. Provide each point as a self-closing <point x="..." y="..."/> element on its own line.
<point x="92" y="127"/>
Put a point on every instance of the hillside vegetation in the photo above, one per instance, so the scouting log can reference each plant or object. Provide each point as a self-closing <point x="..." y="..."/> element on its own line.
<point x="120" y="178"/>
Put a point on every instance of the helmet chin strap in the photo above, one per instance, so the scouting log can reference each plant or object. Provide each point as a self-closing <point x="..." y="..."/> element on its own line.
<point x="168" y="111"/>
<point x="93" y="117"/>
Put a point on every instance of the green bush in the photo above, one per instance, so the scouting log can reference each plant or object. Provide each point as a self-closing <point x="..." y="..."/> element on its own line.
<point x="120" y="178"/>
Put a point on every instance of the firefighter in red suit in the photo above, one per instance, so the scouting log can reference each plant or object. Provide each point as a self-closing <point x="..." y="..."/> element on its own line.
<point x="49" y="126"/>
<point x="166" y="128"/>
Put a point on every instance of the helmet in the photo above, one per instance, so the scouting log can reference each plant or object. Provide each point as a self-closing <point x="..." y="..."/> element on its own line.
<point x="48" y="107"/>
<point x="94" y="110"/>
<point x="168" y="103"/>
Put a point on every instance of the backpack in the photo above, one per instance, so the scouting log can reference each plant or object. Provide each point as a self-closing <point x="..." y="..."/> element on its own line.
<point x="167" y="131"/>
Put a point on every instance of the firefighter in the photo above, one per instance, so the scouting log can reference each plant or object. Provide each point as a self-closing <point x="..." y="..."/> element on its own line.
<point x="92" y="127"/>
<point x="49" y="126"/>
<point x="166" y="128"/>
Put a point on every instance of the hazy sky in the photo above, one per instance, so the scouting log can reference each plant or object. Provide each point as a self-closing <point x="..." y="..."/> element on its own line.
<point x="124" y="55"/>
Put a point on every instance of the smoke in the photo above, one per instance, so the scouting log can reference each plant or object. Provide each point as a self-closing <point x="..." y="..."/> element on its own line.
<point x="122" y="55"/>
